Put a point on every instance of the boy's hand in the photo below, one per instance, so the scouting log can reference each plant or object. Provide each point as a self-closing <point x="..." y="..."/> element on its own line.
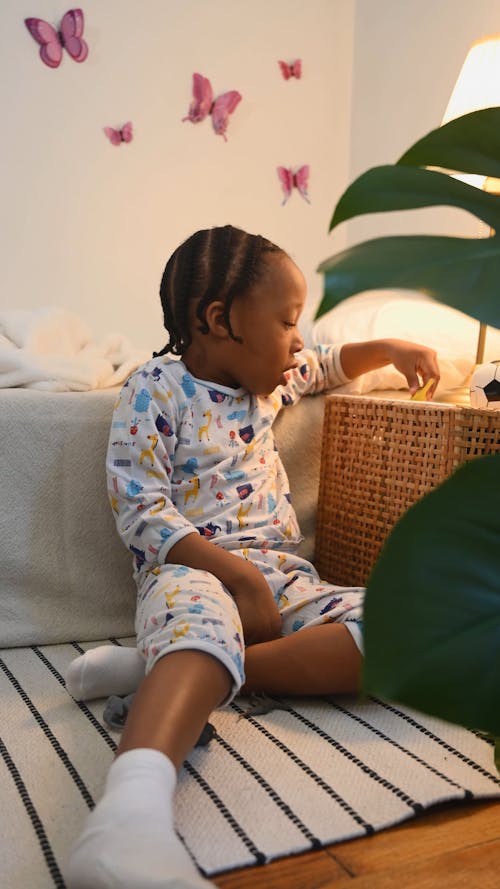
<point x="411" y="359"/>
<point x="417" y="363"/>
<point x="259" y="613"/>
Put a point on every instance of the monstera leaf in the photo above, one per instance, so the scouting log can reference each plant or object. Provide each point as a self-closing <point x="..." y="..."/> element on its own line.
<point x="461" y="272"/>
<point x="470" y="143"/>
<point x="432" y="616"/>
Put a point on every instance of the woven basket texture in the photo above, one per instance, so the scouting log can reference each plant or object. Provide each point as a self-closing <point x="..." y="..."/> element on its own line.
<point x="378" y="458"/>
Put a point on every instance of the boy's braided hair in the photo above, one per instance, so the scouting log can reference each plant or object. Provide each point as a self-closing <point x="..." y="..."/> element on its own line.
<point x="213" y="264"/>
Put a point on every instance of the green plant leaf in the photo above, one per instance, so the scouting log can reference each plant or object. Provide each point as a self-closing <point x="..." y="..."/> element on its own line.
<point x="469" y="144"/>
<point x="432" y="613"/>
<point x="404" y="188"/>
<point x="462" y="272"/>
<point x="496" y="745"/>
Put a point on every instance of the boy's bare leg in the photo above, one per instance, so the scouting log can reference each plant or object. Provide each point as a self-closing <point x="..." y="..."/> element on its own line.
<point x="314" y="661"/>
<point x="129" y="841"/>
<point x="174" y="702"/>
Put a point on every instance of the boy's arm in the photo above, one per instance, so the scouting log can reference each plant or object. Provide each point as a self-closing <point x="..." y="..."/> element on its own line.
<point x="255" y="602"/>
<point x="318" y="369"/>
<point x="414" y="361"/>
<point x="327" y="366"/>
<point x="139" y="466"/>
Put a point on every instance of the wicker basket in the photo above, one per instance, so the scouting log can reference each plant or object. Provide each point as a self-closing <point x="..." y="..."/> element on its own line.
<point x="378" y="457"/>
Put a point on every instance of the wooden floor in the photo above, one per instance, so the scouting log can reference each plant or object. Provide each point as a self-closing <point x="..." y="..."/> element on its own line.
<point x="452" y="847"/>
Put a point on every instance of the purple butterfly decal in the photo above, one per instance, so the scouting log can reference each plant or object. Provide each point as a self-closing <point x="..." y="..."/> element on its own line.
<point x="52" y="42"/>
<point x="203" y="104"/>
<point x="298" y="180"/>
<point x="292" y="70"/>
<point x="124" y="134"/>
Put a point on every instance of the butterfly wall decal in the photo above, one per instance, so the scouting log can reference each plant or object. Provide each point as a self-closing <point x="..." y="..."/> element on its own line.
<point x="290" y="180"/>
<point x="292" y="70"/>
<point x="52" y="42"/>
<point x="203" y="104"/>
<point x="122" y="134"/>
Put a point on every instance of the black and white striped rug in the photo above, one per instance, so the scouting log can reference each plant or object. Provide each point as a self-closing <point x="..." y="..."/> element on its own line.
<point x="265" y="787"/>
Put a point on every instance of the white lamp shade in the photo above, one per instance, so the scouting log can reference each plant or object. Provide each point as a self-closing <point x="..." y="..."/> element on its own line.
<point x="478" y="84"/>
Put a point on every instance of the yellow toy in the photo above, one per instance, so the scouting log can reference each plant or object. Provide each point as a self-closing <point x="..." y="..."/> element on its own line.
<point x="421" y="394"/>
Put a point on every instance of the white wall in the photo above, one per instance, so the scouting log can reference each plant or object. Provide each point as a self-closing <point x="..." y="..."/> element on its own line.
<point x="89" y="226"/>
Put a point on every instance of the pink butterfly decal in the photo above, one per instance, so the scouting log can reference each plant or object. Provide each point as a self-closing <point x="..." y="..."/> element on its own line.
<point x="203" y="104"/>
<point x="116" y="137"/>
<point x="298" y="180"/>
<point x="293" y="70"/>
<point x="52" y="42"/>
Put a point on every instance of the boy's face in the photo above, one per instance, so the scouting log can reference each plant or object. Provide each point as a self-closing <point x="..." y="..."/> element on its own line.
<point x="266" y="320"/>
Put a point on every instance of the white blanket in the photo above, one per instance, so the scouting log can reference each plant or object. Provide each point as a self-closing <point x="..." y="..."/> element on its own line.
<point x="52" y="349"/>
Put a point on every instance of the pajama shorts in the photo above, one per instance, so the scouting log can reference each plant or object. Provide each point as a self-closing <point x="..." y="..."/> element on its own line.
<point x="186" y="608"/>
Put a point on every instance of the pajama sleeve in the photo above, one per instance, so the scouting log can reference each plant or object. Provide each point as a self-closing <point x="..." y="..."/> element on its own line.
<point x="318" y="369"/>
<point x="139" y="466"/>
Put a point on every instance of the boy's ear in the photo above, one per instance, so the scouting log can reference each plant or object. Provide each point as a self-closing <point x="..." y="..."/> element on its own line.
<point x="215" y="319"/>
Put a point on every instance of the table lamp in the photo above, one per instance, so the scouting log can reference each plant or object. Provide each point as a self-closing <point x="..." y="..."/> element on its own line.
<point x="477" y="86"/>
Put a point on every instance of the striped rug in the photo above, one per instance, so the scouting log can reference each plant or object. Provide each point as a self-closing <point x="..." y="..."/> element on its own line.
<point x="267" y="786"/>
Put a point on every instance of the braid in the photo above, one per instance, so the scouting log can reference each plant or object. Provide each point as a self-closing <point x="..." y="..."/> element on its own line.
<point x="246" y="272"/>
<point x="218" y="263"/>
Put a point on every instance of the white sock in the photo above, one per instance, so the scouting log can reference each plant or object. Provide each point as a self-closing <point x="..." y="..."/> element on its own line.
<point x="129" y="841"/>
<point x="106" y="670"/>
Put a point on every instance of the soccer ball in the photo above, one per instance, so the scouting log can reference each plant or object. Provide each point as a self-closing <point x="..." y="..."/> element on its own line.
<point x="485" y="386"/>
